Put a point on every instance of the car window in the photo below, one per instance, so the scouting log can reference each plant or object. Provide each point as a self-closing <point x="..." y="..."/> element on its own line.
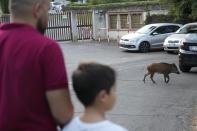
<point x="56" y="3"/>
<point x="166" y="29"/>
<point x="173" y="28"/>
<point x="186" y="29"/>
<point x="146" y="29"/>
<point x="193" y="30"/>
<point x="160" y="30"/>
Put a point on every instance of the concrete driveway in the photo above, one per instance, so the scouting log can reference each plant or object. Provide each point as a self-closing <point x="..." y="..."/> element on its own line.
<point x="140" y="107"/>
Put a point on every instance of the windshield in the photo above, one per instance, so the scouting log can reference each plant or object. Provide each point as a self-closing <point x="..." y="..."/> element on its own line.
<point x="56" y="3"/>
<point x="146" y="29"/>
<point x="187" y="29"/>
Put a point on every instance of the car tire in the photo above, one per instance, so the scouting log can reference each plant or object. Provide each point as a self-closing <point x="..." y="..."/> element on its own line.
<point x="144" y="47"/>
<point x="184" y="68"/>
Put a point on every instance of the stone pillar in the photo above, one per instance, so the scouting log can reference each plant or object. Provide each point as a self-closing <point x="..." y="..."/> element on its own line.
<point x="99" y="24"/>
<point x="74" y="25"/>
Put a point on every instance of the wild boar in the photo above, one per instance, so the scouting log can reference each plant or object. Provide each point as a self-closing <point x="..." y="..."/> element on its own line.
<point x="161" y="68"/>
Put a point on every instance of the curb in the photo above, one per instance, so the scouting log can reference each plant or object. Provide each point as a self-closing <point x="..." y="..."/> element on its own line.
<point x="194" y="120"/>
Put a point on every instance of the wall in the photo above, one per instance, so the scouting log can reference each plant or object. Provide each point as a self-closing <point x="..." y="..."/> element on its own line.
<point x="117" y="34"/>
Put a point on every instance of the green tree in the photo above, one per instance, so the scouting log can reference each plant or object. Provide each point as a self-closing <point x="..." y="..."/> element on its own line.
<point x="194" y="9"/>
<point x="73" y="0"/>
<point x="4" y="6"/>
<point x="94" y="2"/>
<point x="183" y="9"/>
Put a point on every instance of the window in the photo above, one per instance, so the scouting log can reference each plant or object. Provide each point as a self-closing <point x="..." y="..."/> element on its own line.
<point x="124" y="21"/>
<point x="174" y="28"/>
<point x="113" y="21"/>
<point x="146" y="29"/>
<point x="160" y="30"/>
<point x="166" y="29"/>
<point x="163" y="30"/>
<point x="170" y="29"/>
<point x="136" y="20"/>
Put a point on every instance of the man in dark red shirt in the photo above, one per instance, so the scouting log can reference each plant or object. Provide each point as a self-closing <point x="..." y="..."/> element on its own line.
<point x="34" y="93"/>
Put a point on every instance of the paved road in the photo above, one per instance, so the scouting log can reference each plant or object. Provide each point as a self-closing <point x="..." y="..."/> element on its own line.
<point x="141" y="107"/>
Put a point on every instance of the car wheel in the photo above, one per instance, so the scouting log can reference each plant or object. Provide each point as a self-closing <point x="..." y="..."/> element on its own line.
<point x="144" y="47"/>
<point x="184" y="68"/>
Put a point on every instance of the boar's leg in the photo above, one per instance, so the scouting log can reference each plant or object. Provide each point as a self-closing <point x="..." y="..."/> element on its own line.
<point x="146" y="76"/>
<point x="166" y="78"/>
<point x="151" y="77"/>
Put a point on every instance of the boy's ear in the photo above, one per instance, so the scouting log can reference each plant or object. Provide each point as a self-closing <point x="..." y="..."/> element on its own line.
<point x="102" y="95"/>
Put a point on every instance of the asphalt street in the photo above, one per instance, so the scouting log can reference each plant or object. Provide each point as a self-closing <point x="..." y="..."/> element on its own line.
<point x="140" y="106"/>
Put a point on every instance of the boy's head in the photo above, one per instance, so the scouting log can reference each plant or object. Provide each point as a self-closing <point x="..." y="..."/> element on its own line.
<point x="94" y="83"/>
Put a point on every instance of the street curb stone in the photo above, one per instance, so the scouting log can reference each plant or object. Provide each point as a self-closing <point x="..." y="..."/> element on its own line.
<point x="194" y="120"/>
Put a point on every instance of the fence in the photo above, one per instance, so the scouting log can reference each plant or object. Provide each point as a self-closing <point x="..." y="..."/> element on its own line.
<point x="4" y="18"/>
<point x="84" y="25"/>
<point x="59" y="26"/>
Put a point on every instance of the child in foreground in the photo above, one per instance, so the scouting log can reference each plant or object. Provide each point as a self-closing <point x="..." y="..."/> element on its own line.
<point x="95" y="87"/>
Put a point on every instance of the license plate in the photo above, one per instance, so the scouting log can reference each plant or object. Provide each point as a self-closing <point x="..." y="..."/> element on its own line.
<point x="172" y="45"/>
<point x="193" y="48"/>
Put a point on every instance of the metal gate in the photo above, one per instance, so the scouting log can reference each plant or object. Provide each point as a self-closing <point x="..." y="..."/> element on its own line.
<point x="5" y="18"/>
<point x="84" y="25"/>
<point x="59" y="26"/>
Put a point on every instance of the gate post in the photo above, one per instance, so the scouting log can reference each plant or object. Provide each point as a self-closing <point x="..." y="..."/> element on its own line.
<point x="74" y="25"/>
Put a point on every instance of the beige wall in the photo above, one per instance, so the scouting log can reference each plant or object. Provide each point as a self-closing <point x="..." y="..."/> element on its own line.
<point x="116" y="35"/>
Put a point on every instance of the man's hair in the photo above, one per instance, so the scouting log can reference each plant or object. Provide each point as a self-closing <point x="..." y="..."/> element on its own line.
<point x="91" y="78"/>
<point x="22" y="7"/>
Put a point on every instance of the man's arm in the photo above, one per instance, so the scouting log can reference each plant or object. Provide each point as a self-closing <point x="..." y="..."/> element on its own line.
<point x="60" y="105"/>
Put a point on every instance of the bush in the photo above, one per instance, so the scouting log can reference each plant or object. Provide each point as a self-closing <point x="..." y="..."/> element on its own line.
<point x="4" y="6"/>
<point x="159" y="19"/>
<point x="168" y="19"/>
<point x="184" y="20"/>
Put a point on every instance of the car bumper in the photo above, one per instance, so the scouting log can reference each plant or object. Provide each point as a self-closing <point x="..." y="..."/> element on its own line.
<point x="171" y="48"/>
<point x="188" y="59"/>
<point x="128" y="47"/>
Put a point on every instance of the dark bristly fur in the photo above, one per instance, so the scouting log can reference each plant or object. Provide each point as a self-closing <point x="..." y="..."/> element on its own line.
<point x="161" y="68"/>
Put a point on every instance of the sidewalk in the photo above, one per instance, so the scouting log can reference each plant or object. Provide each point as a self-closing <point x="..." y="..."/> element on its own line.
<point x="103" y="42"/>
<point x="194" y="120"/>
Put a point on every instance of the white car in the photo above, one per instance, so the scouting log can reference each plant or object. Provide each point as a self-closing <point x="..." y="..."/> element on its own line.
<point x="56" y="6"/>
<point x="188" y="52"/>
<point x="148" y="37"/>
<point x="173" y="42"/>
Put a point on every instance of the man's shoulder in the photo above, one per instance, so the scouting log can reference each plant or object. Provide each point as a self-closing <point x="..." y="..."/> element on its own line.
<point x="43" y="39"/>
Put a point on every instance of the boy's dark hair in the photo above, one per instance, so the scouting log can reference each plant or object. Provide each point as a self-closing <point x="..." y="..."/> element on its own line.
<point x="89" y="79"/>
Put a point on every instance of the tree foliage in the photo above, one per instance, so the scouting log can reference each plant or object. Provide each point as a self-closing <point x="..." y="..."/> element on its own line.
<point x="4" y="6"/>
<point x="183" y="9"/>
<point x="95" y="2"/>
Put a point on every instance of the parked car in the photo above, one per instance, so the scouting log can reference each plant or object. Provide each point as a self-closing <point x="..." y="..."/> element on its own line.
<point x="173" y="42"/>
<point x="188" y="51"/>
<point x="148" y="37"/>
<point x="56" y="6"/>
